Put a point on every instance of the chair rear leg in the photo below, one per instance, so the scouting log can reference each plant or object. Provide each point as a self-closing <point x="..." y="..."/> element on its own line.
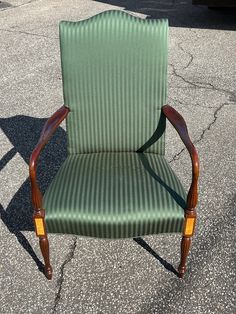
<point x="189" y="225"/>
<point x="41" y="232"/>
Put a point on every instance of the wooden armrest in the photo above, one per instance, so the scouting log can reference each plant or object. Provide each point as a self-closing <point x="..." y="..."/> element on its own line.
<point x="49" y="128"/>
<point x="179" y="124"/>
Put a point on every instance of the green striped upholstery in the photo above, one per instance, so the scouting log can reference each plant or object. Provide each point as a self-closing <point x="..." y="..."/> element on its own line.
<point x="115" y="195"/>
<point x="114" y="69"/>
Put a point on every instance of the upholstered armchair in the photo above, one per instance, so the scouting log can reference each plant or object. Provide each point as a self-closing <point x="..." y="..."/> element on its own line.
<point x="115" y="182"/>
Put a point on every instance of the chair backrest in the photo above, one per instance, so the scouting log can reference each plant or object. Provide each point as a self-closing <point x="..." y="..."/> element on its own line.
<point x="114" y="70"/>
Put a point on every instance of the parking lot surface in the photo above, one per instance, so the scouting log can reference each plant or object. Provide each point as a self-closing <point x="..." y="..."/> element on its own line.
<point x="122" y="276"/>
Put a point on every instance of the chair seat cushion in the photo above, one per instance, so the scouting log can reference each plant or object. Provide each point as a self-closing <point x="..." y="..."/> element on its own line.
<point x="115" y="195"/>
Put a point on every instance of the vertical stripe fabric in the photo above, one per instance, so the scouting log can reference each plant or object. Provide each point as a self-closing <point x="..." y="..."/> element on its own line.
<point x="115" y="195"/>
<point x="114" y="69"/>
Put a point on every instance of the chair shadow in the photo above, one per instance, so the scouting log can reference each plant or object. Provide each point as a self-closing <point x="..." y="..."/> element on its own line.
<point x="145" y="162"/>
<point x="21" y="238"/>
<point x="23" y="132"/>
<point x="158" y="133"/>
<point x="181" y="13"/>
<point x="163" y="262"/>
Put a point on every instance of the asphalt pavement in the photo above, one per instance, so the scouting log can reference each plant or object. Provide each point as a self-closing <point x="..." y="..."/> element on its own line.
<point x="122" y="276"/>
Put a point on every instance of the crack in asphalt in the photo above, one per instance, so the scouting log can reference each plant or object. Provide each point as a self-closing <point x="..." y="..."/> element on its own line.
<point x="191" y="104"/>
<point x="215" y="116"/>
<point x="23" y="32"/>
<point x="195" y="84"/>
<point x="60" y="280"/>
<point x="27" y="33"/>
<point x="203" y="85"/>
<point x="188" y="53"/>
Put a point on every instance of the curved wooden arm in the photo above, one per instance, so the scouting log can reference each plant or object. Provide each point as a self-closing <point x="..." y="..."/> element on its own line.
<point x="179" y="124"/>
<point x="48" y="130"/>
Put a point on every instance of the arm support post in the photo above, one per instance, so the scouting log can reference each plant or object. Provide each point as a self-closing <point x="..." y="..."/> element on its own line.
<point x="179" y="124"/>
<point x="48" y="130"/>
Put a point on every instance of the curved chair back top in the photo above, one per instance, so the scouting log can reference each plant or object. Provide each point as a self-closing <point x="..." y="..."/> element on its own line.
<point x="114" y="69"/>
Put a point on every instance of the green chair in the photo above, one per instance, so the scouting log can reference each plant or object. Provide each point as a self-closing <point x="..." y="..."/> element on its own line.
<point x="115" y="182"/>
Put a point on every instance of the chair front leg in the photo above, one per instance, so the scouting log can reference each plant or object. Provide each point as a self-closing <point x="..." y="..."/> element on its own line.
<point x="40" y="229"/>
<point x="189" y="225"/>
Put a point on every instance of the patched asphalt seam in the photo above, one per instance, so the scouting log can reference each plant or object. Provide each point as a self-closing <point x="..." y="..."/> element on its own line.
<point x="215" y="116"/>
<point x="27" y="33"/>
<point x="60" y="280"/>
